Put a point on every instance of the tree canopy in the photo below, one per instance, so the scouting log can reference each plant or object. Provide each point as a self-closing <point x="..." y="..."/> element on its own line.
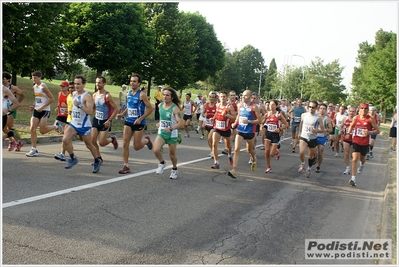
<point x="374" y="80"/>
<point x="109" y="36"/>
<point x="175" y="48"/>
<point x="30" y="31"/>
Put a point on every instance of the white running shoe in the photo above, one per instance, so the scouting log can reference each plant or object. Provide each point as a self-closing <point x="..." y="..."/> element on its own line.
<point x="308" y="172"/>
<point x="347" y="171"/>
<point x="336" y="155"/>
<point x="301" y="167"/>
<point x="173" y="174"/>
<point x="250" y="160"/>
<point x="60" y="156"/>
<point x="58" y="127"/>
<point x="33" y="152"/>
<point x="160" y="168"/>
<point x="360" y="169"/>
<point x="352" y="182"/>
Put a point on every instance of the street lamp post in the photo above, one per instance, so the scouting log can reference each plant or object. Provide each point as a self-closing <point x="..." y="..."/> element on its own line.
<point x="303" y="71"/>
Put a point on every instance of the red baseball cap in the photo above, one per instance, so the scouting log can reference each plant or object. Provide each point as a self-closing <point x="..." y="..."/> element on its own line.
<point x="64" y="83"/>
<point x="364" y="105"/>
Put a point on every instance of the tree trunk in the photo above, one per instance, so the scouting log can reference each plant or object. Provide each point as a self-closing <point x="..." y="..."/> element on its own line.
<point x="14" y="78"/>
<point x="149" y="85"/>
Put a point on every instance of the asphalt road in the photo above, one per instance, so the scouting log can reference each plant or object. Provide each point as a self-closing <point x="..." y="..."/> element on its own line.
<point x="56" y="216"/>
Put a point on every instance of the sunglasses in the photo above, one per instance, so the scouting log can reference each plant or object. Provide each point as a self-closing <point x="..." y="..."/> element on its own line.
<point x="312" y="107"/>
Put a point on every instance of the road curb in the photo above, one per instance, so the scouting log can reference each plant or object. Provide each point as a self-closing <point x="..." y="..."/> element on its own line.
<point x="388" y="220"/>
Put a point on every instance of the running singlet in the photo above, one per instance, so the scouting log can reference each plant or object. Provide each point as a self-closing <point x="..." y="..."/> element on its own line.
<point x="325" y="127"/>
<point x="62" y="112"/>
<point x="377" y="119"/>
<point x="187" y="107"/>
<point x="210" y="112"/>
<point x="309" y="121"/>
<point x="80" y="119"/>
<point x="297" y="114"/>
<point x="135" y="108"/>
<point x="70" y="106"/>
<point x="272" y="122"/>
<point x="167" y="120"/>
<point x="339" y="119"/>
<point x="285" y="110"/>
<point x="347" y="122"/>
<point x="360" y="125"/>
<point x="249" y="114"/>
<point x="40" y="97"/>
<point x="101" y="107"/>
<point x="331" y="114"/>
<point x="222" y="123"/>
<point x="393" y="122"/>
<point x="198" y="102"/>
<point x="4" y="103"/>
<point x="234" y="105"/>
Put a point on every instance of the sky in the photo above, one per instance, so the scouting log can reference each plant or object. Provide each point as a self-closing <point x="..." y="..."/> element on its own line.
<point x="330" y="30"/>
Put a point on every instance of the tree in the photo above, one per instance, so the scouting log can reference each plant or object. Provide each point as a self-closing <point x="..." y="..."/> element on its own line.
<point x="288" y="82"/>
<point x="228" y="78"/>
<point x="249" y="61"/>
<point x="375" y="79"/>
<point x="110" y="36"/>
<point x="173" y="60"/>
<point x="209" y="50"/>
<point x="29" y="41"/>
<point x="271" y="76"/>
<point x="324" y="82"/>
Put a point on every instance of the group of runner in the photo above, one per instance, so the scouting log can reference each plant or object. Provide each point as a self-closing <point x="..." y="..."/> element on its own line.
<point x="314" y="125"/>
<point x="225" y="116"/>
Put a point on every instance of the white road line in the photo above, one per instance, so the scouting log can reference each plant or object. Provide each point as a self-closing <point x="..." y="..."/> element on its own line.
<point x="82" y="187"/>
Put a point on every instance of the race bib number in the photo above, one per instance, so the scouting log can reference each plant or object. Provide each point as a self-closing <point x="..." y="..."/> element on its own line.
<point x="220" y="124"/>
<point x="76" y="114"/>
<point x="359" y="132"/>
<point x="297" y="119"/>
<point x="241" y="120"/>
<point x="132" y="112"/>
<point x="99" y="115"/>
<point x="308" y="129"/>
<point x="63" y="110"/>
<point x="271" y="127"/>
<point x="209" y="122"/>
<point x="38" y="100"/>
<point x="165" y="124"/>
